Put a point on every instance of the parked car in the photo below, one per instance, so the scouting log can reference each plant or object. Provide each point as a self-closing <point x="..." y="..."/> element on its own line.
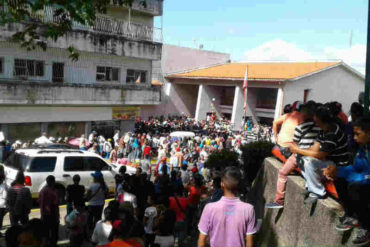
<point x="63" y="164"/>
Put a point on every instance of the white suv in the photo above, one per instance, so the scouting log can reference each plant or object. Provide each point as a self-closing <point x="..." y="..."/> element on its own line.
<point x="63" y="164"/>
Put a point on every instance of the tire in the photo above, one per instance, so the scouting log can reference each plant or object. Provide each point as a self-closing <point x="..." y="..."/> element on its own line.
<point x="61" y="191"/>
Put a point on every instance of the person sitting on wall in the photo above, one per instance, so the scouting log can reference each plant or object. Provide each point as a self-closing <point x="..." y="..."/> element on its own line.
<point x="284" y="127"/>
<point x="329" y="150"/>
<point x="353" y="185"/>
<point x="304" y="135"/>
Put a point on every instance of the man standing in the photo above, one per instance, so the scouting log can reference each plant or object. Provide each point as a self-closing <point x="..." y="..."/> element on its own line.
<point x="49" y="207"/>
<point x="228" y="222"/>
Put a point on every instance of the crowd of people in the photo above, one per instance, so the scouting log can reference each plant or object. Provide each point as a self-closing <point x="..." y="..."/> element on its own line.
<point x="174" y="197"/>
<point x="326" y="146"/>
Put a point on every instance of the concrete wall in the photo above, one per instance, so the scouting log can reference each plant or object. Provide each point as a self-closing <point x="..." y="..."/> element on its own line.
<point x="82" y="71"/>
<point x="336" y="84"/>
<point x="37" y="114"/>
<point x="22" y="93"/>
<point x="297" y="225"/>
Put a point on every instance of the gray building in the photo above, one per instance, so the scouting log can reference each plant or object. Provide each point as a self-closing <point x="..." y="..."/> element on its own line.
<point x="104" y="90"/>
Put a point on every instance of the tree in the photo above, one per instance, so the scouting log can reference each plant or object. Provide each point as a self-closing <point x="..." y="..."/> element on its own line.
<point x="36" y="32"/>
<point x="219" y="160"/>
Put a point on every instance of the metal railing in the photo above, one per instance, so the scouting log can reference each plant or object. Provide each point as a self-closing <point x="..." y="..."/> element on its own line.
<point x="151" y="6"/>
<point x="104" y="24"/>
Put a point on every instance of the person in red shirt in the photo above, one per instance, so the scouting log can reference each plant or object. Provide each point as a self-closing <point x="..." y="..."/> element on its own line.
<point x="179" y="205"/>
<point x="195" y="193"/>
<point x="49" y="207"/>
<point x="147" y="151"/>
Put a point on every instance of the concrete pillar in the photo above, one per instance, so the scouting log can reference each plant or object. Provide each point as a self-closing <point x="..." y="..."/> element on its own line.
<point x="238" y="108"/>
<point x="200" y="97"/>
<point x="87" y="129"/>
<point x="5" y="130"/>
<point x="279" y="103"/>
<point x="44" y="128"/>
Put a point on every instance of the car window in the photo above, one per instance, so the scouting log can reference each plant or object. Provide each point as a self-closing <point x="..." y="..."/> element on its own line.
<point x="95" y="164"/>
<point x="17" y="161"/>
<point x="73" y="164"/>
<point x="43" y="164"/>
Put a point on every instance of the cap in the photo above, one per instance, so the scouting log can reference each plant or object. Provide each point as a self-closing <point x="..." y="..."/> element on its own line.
<point x="97" y="174"/>
<point x="164" y="159"/>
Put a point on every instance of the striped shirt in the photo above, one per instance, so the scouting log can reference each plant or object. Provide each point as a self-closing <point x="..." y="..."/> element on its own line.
<point x="305" y="134"/>
<point x="19" y="200"/>
<point x="334" y="142"/>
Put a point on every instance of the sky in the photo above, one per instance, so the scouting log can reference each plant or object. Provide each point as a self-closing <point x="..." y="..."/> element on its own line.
<point x="271" y="30"/>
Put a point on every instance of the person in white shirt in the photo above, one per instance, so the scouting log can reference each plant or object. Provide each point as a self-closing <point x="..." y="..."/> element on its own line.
<point x="104" y="227"/>
<point x="116" y="138"/>
<point x="149" y="216"/>
<point x="126" y="197"/>
<point x="3" y="194"/>
<point x="43" y="139"/>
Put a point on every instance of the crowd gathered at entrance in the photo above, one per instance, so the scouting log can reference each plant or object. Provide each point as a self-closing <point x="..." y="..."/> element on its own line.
<point x="175" y="198"/>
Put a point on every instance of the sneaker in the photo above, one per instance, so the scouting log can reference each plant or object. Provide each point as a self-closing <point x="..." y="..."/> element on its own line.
<point x="274" y="205"/>
<point x="346" y="223"/>
<point x="311" y="199"/>
<point x="362" y="238"/>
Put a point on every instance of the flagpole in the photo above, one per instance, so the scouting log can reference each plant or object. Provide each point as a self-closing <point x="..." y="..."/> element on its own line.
<point x="245" y="88"/>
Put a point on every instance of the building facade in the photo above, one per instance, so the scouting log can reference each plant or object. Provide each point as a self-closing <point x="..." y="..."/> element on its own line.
<point x="45" y="91"/>
<point x="177" y="59"/>
<point x="219" y="88"/>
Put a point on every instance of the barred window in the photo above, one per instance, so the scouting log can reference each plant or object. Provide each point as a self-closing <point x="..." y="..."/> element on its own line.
<point x="58" y="72"/>
<point x="107" y="74"/>
<point x="136" y="76"/>
<point x="24" y="67"/>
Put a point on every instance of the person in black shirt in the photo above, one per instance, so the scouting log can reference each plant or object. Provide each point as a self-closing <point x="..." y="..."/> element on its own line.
<point x="74" y="193"/>
<point x="164" y="224"/>
<point x="329" y="150"/>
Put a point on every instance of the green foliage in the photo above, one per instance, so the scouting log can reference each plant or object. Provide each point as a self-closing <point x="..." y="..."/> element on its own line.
<point x="253" y="155"/>
<point x="36" y="32"/>
<point x="221" y="159"/>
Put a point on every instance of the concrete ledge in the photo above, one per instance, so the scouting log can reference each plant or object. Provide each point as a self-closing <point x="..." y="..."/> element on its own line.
<point x="297" y="224"/>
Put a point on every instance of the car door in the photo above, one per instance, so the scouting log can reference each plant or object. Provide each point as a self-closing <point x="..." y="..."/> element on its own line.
<point x="75" y="165"/>
<point x="97" y="164"/>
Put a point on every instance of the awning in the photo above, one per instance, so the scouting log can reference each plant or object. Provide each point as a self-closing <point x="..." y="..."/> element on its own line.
<point x="157" y="83"/>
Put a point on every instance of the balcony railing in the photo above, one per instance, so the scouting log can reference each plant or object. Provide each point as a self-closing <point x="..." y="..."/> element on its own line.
<point x="104" y="24"/>
<point x="152" y="6"/>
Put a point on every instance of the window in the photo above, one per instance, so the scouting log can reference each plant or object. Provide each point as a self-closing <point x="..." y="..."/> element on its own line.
<point x="23" y="67"/>
<point x="107" y="74"/>
<point x="135" y="76"/>
<point x="58" y="72"/>
<point x="95" y="164"/>
<point x="73" y="164"/>
<point x="84" y="164"/>
<point x="1" y="65"/>
<point x="43" y="164"/>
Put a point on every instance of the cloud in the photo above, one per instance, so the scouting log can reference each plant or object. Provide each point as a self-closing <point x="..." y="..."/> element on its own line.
<point x="280" y="50"/>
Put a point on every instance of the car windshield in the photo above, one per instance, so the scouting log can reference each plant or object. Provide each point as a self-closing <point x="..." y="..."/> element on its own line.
<point x="17" y="161"/>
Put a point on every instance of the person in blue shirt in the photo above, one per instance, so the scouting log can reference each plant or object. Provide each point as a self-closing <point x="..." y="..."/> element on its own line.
<point x="353" y="185"/>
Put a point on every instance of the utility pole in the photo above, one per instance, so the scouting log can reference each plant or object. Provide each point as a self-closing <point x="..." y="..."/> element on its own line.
<point x="367" y="71"/>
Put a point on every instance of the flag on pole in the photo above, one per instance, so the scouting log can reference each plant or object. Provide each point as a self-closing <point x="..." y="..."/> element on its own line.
<point x="245" y="88"/>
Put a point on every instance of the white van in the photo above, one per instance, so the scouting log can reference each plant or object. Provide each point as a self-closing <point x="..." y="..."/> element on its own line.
<point x="63" y="164"/>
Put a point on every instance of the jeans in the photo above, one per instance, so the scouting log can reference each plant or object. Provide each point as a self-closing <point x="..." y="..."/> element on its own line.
<point x="312" y="172"/>
<point x="190" y="218"/>
<point x="14" y="219"/>
<point x="355" y="200"/>
<point x="2" y="214"/>
<point x="180" y="232"/>
<point x="51" y="224"/>
<point x="289" y="166"/>
<point x="165" y="241"/>
<point x="95" y="214"/>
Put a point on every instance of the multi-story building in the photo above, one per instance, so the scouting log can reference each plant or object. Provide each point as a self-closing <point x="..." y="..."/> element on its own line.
<point x="45" y="91"/>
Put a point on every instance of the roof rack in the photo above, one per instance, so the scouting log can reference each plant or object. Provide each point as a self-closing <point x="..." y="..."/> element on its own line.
<point x="59" y="151"/>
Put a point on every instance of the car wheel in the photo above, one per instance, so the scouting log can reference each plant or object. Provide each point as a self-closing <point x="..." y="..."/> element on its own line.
<point x="61" y="193"/>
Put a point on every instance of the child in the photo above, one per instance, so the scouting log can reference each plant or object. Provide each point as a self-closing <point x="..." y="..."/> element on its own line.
<point x="149" y="216"/>
<point x="76" y="222"/>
